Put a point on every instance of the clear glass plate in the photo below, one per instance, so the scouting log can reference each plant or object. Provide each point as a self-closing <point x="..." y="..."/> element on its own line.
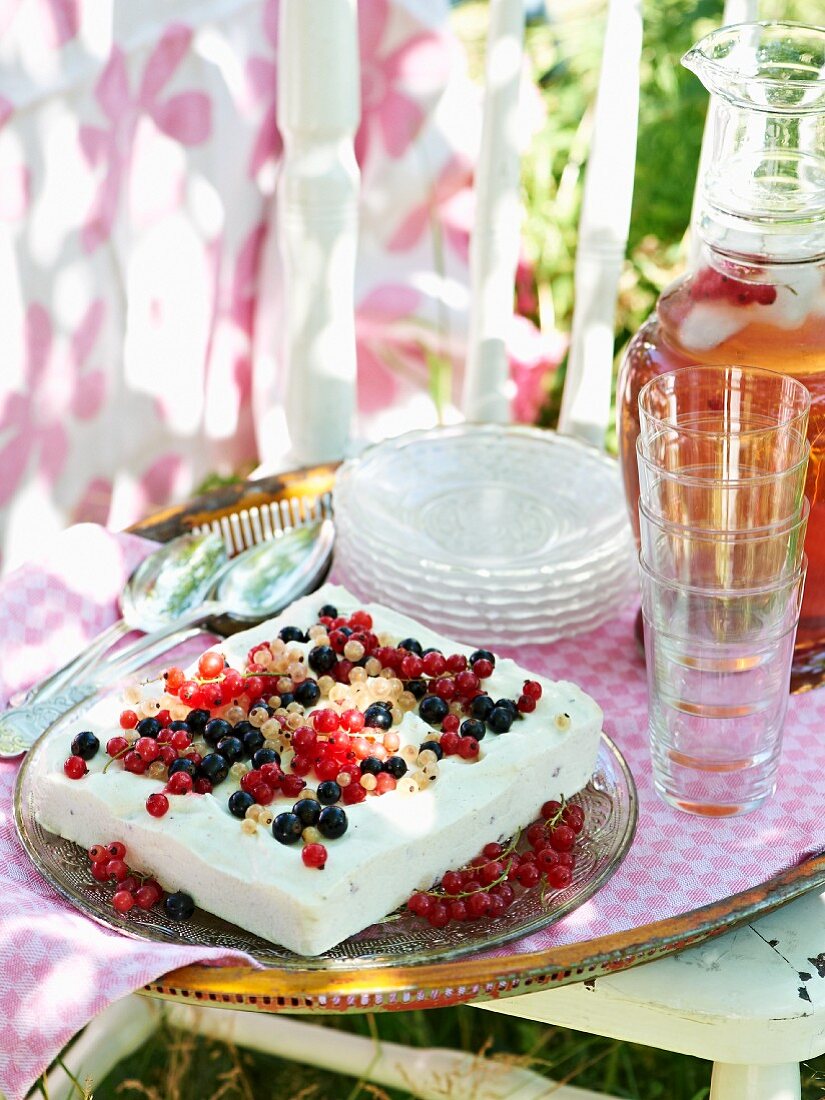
<point x="508" y="616"/>
<point x="504" y="500"/>
<point x="609" y="802"/>
<point x="548" y="581"/>
<point x="506" y="599"/>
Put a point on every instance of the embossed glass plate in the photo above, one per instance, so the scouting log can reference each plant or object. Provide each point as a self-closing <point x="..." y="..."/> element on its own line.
<point x="504" y="532"/>
<point x="610" y="806"/>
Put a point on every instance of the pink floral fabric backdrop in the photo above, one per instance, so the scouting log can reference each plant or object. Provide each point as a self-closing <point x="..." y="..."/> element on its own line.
<point x="138" y="159"/>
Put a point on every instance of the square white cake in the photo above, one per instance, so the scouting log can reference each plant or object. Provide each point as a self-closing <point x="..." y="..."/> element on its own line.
<point x="400" y="838"/>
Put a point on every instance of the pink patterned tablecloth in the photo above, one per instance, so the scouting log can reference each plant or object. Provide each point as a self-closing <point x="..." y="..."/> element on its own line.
<point x="59" y="969"/>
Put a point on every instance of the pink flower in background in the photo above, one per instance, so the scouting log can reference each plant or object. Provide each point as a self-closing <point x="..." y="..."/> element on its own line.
<point x="57" y="387"/>
<point x="95" y="502"/>
<point x="186" y="117"/>
<point x="378" y="349"/>
<point x="449" y="204"/>
<point x="388" y="109"/>
<point x="160" y="481"/>
<point x="15" y="177"/>
<point x="60" y="20"/>
<point x="262" y="77"/>
<point x="533" y="356"/>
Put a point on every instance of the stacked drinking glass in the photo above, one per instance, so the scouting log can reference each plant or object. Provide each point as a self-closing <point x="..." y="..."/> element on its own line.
<point x="722" y="455"/>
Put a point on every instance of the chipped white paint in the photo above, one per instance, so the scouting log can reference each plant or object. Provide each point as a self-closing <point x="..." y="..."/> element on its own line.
<point x="752" y="997"/>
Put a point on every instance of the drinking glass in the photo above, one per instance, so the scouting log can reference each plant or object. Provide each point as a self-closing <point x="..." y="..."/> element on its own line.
<point x="703" y="498"/>
<point x="745" y="404"/>
<point x="722" y="559"/>
<point x="718" y="668"/>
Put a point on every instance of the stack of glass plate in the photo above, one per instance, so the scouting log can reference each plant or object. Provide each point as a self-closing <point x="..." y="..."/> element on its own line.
<point x="490" y="533"/>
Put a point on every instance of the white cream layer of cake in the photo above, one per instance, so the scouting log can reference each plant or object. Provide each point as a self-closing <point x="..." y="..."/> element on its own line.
<point x="394" y="844"/>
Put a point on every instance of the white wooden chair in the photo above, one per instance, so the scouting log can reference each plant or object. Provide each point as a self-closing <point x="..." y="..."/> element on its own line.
<point x="751" y="1001"/>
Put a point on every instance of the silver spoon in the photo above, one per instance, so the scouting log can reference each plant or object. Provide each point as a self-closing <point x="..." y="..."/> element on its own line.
<point x="253" y="586"/>
<point x="168" y="583"/>
<point x="259" y="582"/>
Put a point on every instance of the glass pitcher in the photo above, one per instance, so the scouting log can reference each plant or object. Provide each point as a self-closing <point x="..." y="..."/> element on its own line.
<point x="756" y="293"/>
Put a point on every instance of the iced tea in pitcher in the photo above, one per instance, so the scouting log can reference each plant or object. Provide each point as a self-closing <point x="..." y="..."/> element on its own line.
<point x="756" y="294"/>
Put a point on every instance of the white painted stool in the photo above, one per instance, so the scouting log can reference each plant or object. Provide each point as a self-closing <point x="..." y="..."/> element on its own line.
<point x="752" y="1001"/>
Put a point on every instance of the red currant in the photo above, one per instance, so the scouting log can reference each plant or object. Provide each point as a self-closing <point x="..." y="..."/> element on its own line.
<point x="478" y="904"/>
<point x="573" y="817"/>
<point x="325" y="720"/>
<point x="505" y="892"/>
<point x="438" y="915"/>
<point x="526" y="704"/>
<point x="116" y="850"/>
<point x="128" y="719"/>
<point x="262" y="793"/>
<point x="147" y="896"/>
<point x="528" y="875"/>
<point x="99" y="872"/>
<point x="123" y="901"/>
<point x="457" y="662"/>
<point x="434" y="664"/>
<point x="550" y="809"/>
<point x="211" y="665"/>
<point x="361" y="620"/>
<point x="253" y="686"/>
<point x="562" y="838"/>
<point x="291" y="785"/>
<point x="130" y="883"/>
<point x="491" y="872"/>
<point x="97" y="852"/>
<point x="444" y="688"/>
<point x="547" y="858"/>
<point x="175" y="678"/>
<point x="168" y="754"/>
<point x="133" y="762"/>
<point x="468" y="748"/>
<point x="202" y="786"/>
<point x="180" y="740"/>
<point x="483" y="668"/>
<point x="116" y="745"/>
<point x="188" y="690"/>
<point x="536" y="834"/>
<point x="492" y="850"/>
<point x="164" y="717"/>
<point x="450" y="724"/>
<point x="75" y="767"/>
<point x="467" y="683"/>
<point x="147" y="749"/>
<point x="116" y="869"/>
<point x="411" y="666"/>
<point x="532" y="688"/>
<point x="179" y="783"/>
<point x="420" y="904"/>
<point x="457" y="909"/>
<point x="157" y="805"/>
<point x="559" y="876"/>
<point x="314" y="855"/>
<point x="352" y="794"/>
<point x="449" y="742"/>
<point x="451" y="883"/>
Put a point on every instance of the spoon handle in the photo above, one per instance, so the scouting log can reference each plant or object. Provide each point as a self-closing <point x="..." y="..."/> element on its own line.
<point x="22" y="725"/>
<point x="55" y="682"/>
<point x="145" y="646"/>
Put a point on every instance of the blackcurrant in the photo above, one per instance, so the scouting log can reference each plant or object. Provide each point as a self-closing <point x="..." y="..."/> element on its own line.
<point x="85" y="745"/>
<point x="332" y="823"/>
<point x="239" y="803"/>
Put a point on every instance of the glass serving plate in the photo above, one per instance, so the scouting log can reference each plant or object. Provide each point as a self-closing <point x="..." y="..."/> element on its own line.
<point x="501" y="501"/>
<point x="609" y="802"/>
